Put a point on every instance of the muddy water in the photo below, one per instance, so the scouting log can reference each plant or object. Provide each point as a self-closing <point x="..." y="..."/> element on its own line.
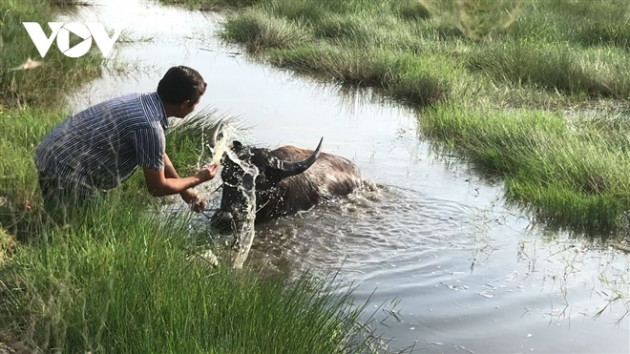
<point x="445" y="265"/>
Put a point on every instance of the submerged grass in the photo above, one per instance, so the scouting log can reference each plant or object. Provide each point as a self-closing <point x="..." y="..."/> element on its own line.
<point x="117" y="276"/>
<point x="510" y="84"/>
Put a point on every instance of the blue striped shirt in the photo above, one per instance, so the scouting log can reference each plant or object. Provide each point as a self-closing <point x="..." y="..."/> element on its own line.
<point x="104" y="144"/>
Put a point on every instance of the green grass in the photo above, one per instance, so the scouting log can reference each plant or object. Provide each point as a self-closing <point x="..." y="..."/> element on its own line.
<point x="567" y="176"/>
<point x="592" y="72"/>
<point x="512" y="85"/>
<point x="126" y="281"/>
<point x="44" y="85"/>
<point x="20" y="199"/>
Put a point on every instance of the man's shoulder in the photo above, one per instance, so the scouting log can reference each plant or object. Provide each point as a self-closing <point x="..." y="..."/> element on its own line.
<point x="134" y="110"/>
<point x="154" y="109"/>
<point x="124" y="102"/>
<point x="138" y="105"/>
<point x="132" y="98"/>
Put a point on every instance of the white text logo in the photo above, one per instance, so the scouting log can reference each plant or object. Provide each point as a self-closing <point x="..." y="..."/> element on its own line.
<point x="61" y="32"/>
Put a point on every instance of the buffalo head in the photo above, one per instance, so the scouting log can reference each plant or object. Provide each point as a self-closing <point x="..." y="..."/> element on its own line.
<point x="248" y="167"/>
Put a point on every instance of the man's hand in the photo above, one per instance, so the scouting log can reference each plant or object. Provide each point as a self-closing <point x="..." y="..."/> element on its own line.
<point x="198" y="205"/>
<point x="208" y="172"/>
<point x="190" y="197"/>
<point x="167" y="181"/>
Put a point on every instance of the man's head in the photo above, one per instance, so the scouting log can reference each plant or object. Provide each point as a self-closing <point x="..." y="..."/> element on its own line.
<point x="180" y="90"/>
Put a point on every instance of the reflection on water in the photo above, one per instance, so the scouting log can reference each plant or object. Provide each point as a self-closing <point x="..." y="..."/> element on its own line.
<point x="445" y="265"/>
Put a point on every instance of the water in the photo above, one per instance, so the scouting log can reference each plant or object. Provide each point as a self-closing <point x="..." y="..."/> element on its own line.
<point x="245" y="232"/>
<point x="445" y="265"/>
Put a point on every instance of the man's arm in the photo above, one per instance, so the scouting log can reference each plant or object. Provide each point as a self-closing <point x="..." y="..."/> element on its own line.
<point x="166" y="181"/>
<point x="187" y="195"/>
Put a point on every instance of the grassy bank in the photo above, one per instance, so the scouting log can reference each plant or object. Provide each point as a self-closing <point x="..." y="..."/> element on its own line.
<point x="534" y="91"/>
<point x="126" y="281"/>
<point x="30" y="104"/>
<point x="118" y="277"/>
<point x="44" y="85"/>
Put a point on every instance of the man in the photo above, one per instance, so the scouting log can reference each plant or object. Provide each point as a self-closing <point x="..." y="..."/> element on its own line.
<point x="100" y="147"/>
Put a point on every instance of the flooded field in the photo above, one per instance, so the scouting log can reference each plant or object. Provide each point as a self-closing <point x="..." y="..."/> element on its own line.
<point x="445" y="264"/>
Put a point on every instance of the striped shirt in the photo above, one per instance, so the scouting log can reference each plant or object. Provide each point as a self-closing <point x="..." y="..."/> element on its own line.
<point x="104" y="144"/>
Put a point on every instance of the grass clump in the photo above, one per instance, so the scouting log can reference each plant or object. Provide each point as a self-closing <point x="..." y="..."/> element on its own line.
<point x="584" y="23"/>
<point x="404" y="77"/>
<point x="596" y="72"/>
<point x="567" y="176"/>
<point x="260" y="31"/>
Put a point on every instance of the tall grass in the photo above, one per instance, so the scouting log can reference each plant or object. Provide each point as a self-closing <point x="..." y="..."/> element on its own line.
<point x="20" y="199"/>
<point x="260" y="31"/>
<point x="593" y="72"/>
<point x="28" y="101"/>
<point x="586" y="23"/>
<point x="123" y="281"/>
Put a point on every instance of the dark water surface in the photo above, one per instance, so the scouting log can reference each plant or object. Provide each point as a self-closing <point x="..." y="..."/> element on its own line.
<point x="444" y="263"/>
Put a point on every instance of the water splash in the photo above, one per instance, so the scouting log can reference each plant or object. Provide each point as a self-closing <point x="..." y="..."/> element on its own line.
<point x="243" y="223"/>
<point x="222" y="134"/>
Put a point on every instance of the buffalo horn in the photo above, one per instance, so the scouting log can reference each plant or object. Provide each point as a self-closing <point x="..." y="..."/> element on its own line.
<point x="289" y="168"/>
<point x="217" y="134"/>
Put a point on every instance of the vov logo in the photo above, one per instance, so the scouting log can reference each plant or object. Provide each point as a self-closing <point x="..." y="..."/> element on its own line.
<point x="61" y="32"/>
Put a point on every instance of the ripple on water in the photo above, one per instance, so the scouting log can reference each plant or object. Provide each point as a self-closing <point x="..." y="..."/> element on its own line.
<point x="373" y="231"/>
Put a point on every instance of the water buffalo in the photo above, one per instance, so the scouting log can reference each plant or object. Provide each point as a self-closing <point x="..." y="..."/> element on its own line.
<point x="288" y="180"/>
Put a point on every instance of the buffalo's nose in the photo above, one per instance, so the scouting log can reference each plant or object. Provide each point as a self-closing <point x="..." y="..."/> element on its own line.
<point x="222" y="220"/>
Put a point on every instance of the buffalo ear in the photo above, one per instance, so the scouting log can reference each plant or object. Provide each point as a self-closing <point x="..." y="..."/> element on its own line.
<point x="236" y="145"/>
<point x="242" y="151"/>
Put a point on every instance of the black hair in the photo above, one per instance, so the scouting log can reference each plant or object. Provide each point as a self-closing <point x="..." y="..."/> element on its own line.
<point x="180" y="84"/>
